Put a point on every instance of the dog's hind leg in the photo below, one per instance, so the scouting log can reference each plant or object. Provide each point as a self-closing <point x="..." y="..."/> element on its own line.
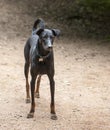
<point x="26" y="71"/>
<point x="37" y="95"/>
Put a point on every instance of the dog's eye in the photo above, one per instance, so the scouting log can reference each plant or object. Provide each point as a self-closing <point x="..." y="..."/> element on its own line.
<point x="45" y="37"/>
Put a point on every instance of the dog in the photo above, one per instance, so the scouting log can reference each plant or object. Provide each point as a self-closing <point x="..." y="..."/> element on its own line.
<point x="38" y="53"/>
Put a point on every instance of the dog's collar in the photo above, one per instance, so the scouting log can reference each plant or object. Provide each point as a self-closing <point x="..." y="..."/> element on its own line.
<point x="42" y="58"/>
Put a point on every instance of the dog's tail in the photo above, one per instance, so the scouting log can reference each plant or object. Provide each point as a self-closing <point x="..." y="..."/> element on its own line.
<point x="38" y="24"/>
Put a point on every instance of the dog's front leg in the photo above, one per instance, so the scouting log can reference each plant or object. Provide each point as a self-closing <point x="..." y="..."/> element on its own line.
<point x="52" y="90"/>
<point x="33" y="79"/>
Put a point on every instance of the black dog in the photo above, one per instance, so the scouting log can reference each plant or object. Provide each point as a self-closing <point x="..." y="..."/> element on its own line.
<point x="38" y="52"/>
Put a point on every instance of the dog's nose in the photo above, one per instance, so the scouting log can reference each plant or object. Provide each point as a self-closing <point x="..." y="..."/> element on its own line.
<point x="50" y="46"/>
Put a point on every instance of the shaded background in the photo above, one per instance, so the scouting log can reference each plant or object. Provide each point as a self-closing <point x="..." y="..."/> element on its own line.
<point x="78" y="18"/>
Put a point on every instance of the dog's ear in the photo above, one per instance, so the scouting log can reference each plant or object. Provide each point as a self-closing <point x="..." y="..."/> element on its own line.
<point x="56" y="32"/>
<point x="39" y="31"/>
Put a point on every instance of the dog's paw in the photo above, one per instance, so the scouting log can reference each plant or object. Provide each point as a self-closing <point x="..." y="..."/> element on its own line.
<point x="30" y="115"/>
<point x="54" y="117"/>
<point x="37" y="95"/>
<point x="28" y="100"/>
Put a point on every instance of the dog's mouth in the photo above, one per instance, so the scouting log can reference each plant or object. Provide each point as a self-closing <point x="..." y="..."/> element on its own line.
<point x="49" y="49"/>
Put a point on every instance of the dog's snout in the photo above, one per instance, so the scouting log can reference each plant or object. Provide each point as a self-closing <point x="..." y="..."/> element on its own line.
<point x="50" y="47"/>
<point x="49" y="44"/>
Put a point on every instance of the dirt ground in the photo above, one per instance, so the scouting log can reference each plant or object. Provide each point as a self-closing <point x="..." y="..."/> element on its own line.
<point x="82" y="79"/>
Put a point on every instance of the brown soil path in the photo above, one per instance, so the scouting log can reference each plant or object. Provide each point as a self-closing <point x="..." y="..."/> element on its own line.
<point x="82" y="80"/>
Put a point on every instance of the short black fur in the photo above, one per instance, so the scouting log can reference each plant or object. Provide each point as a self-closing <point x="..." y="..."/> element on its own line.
<point x="38" y="53"/>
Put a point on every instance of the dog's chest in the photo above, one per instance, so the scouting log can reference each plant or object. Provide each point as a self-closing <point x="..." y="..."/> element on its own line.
<point x="43" y="67"/>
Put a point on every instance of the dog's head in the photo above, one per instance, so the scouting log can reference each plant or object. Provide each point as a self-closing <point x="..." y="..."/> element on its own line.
<point x="46" y="37"/>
